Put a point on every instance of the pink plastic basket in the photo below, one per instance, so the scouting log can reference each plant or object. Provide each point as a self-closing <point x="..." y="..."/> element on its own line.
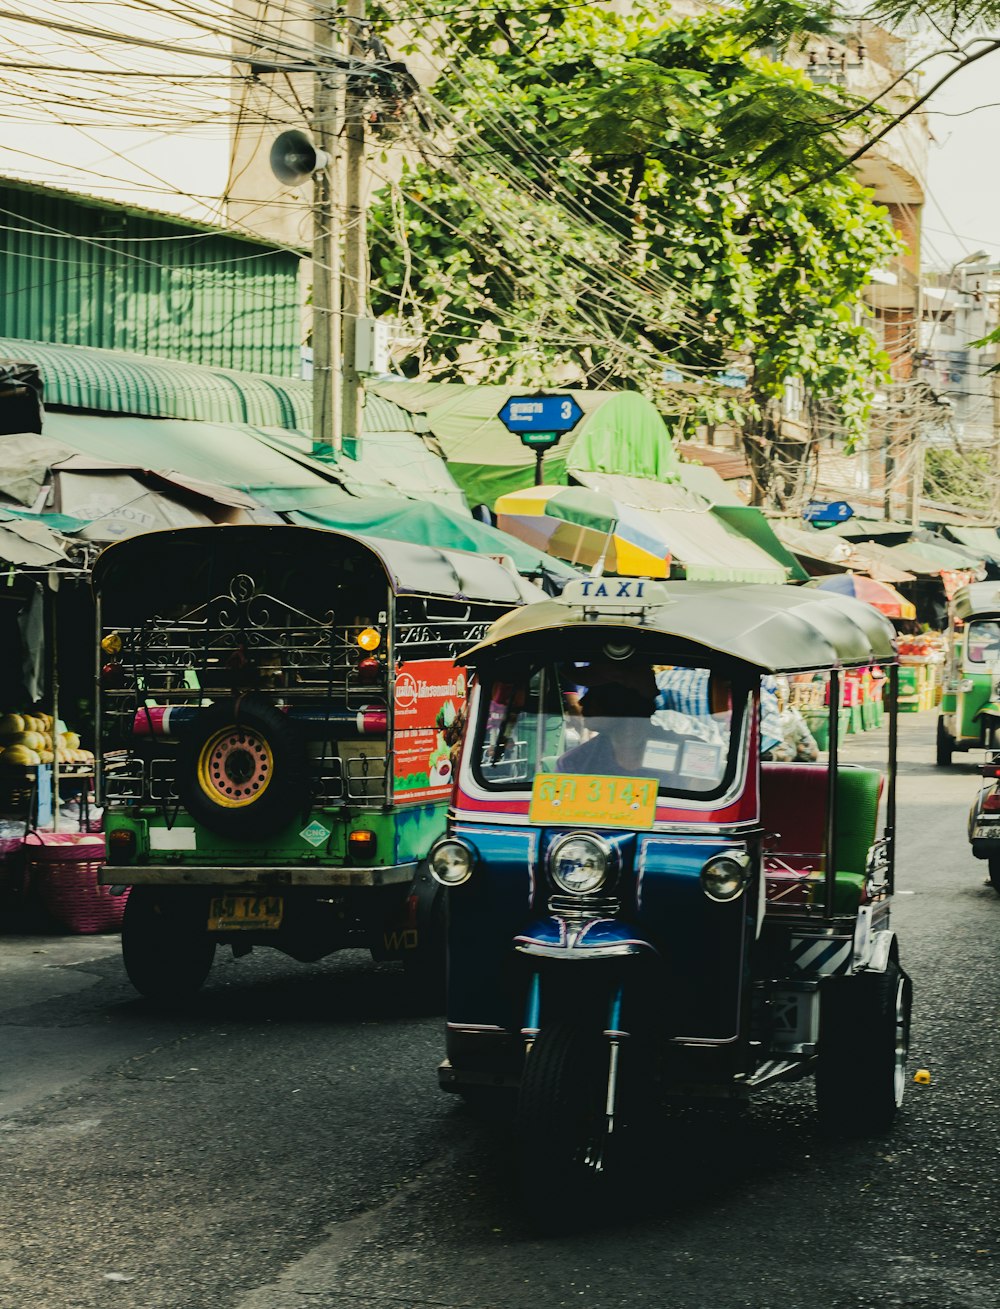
<point x="64" y="867"/>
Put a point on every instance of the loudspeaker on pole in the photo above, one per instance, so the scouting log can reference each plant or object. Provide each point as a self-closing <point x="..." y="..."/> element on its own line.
<point x="294" y="158"/>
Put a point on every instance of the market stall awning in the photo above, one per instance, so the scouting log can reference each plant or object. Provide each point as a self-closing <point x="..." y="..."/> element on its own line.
<point x="106" y="501"/>
<point x="84" y="377"/>
<point x="236" y="457"/>
<point x="944" y="555"/>
<point x="621" y="431"/>
<point x="426" y="524"/>
<point x="583" y="526"/>
<point x="807" y="543"/>
<point x="880" y="560"/>
<point x="879" y="595"/>
<point x="29" y="544"/>
<point x="982" y="541"/>
<point x="700" y="542"/>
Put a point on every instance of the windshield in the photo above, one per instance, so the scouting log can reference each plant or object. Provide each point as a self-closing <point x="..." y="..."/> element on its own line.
<point x="630" y="719"/>
<point x="983" y="643"/>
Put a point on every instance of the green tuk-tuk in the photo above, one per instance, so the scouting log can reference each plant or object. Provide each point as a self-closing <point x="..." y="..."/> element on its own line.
<point x="278" y="708"/>
<point x="970" y="705"/>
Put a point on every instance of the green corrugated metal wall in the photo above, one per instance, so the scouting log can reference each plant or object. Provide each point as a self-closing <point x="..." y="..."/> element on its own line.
<point x="90" y="274"/>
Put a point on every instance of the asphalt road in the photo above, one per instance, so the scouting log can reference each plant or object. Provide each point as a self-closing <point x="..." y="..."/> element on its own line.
<point x="286" y="1146"/>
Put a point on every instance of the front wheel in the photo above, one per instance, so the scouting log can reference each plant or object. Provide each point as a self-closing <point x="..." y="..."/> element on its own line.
<point x="166" y="952"/>
<point x="864" y="1041"/>
<point x="561" y="1125"/>
<point x="945" y="745"/>
<point x="993" y="865"/>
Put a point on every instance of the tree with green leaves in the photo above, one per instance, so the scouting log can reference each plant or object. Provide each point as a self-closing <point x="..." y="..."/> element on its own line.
<point x="602" y="195"/>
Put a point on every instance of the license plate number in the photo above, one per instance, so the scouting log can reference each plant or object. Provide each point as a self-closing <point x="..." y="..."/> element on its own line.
<point x="235" y="913"/>
<point x="987" y="833"/>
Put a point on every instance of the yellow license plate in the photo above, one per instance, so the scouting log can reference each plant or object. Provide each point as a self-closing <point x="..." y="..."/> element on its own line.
<point x="579" y="799"/>
<point x="234" y="913"/>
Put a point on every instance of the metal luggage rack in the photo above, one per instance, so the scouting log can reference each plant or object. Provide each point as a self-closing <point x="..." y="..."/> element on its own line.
<point x="357" y="781"/>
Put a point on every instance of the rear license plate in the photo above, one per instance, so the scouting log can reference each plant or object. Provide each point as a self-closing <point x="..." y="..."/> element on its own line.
<point x="234" y="913"/>
<point x="992" y="832"/>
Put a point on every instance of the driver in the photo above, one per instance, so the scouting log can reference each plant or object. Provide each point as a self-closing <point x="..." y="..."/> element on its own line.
<point x="619" y="714"/>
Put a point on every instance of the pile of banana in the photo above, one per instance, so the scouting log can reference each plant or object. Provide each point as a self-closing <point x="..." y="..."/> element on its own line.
<point x="30" y="739"/>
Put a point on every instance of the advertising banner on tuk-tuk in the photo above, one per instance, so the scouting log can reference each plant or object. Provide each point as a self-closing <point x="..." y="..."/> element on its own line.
<point x="429" y="702"/>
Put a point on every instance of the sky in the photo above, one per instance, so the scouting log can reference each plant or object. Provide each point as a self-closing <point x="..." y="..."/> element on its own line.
<point x="962" y="211"/>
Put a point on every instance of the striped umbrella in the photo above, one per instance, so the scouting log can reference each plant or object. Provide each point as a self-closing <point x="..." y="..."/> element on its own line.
<point x="580" y="525"/>
<point x="880" y="595"/>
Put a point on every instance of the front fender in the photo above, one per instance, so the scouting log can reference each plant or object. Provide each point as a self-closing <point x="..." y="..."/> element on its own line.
<point x="595" y="938"/>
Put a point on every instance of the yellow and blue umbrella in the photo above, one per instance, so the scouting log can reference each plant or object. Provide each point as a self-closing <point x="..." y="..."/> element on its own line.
<point x="583" y="526"/>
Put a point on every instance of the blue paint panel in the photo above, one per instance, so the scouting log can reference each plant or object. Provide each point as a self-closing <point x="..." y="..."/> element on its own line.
<point x="703" y="943"/>
<point x="484" y="917"/>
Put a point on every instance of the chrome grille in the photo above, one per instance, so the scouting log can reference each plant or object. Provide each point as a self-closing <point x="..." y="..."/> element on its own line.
<point x="584" y="906"/>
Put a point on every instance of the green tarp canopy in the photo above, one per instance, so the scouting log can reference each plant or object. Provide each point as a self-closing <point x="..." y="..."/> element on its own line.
<point x="982" y="541"/>
<point x="423" y="523"/>
<point x="620" y="432"/>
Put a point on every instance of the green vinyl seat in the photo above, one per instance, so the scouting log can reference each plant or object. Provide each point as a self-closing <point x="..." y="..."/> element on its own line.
<point x="793" y="803"/>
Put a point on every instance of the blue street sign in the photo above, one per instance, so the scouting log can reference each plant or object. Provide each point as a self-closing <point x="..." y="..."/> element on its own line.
<point x="733" y="377"/>
<point x="540" y="413"/>
<point x="822" y="511"/>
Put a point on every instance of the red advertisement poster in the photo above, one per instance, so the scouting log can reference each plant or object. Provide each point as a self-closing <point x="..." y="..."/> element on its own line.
<point x="430" y="709"/>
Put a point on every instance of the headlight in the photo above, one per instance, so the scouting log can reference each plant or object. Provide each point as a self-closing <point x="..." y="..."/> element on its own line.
<point x="451" y="862"/>
<point x="966" y="685"/>
<point x="725" y="876"/>
<point x="579" y="864"/>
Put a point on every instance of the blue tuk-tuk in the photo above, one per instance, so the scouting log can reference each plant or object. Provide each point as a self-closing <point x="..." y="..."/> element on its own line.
<point x="637" y="901"/>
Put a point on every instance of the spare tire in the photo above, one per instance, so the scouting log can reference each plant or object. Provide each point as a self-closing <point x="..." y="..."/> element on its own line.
<point x="242" y="768"/>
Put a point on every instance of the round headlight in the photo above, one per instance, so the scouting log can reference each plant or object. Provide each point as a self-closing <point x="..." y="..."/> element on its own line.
<point x="579" y="864"/>
<point x="451" y="862"/>
<point x="725" y="876"/>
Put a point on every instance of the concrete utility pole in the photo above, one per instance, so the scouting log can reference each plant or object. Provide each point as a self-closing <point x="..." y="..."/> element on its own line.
<point x="355" y="282"/>
<point x="326" y="289"/>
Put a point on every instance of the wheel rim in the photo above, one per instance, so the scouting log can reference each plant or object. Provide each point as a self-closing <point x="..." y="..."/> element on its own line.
<point x="235" y="767"/>
<point x="901" y="1041"/>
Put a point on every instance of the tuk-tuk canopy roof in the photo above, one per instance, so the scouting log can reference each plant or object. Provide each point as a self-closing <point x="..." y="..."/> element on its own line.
<point x="137" y="564"/>
<point x="976" y="598"/>
<point x="772" y="628"/>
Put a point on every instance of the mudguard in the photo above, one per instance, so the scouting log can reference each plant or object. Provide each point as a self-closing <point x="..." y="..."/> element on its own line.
<point x="595" y="938"/>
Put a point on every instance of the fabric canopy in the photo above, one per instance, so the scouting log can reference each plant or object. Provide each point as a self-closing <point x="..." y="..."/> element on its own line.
<point x="621" y="431"/>
<point x="982" y="541"/>
<point x="701" y="543"/>
<point x="431" y="525"/>
<point x="29" y="544"/>
<point x="564" y="523"/>
<point x="879" y="595"/>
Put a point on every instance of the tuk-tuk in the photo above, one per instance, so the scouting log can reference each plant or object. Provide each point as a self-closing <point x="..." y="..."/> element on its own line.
<point x="970" y="703"/>
<point x="637" y="900"/>
<point x="278" y="710"/>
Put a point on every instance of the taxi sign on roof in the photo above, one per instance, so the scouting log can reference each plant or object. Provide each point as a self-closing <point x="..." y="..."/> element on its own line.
<point x="613" y="592"/>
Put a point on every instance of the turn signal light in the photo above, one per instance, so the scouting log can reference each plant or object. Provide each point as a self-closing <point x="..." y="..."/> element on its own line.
<point x="370" y="639"/>
<point x="121" y="845"/>
<point x="361" y="844"/>
<point x="991" y="802"/>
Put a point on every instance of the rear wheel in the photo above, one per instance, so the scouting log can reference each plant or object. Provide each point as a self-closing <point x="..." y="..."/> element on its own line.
<point x="561" y="1125"/>
<point x="863" y="1045"/>
<point x="994" y="868"/>
<point x="166" y="951"/>
<point x="945" y="745"/>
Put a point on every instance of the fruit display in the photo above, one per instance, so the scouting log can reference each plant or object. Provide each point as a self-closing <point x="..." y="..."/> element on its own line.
<point x="27" y="740"/>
